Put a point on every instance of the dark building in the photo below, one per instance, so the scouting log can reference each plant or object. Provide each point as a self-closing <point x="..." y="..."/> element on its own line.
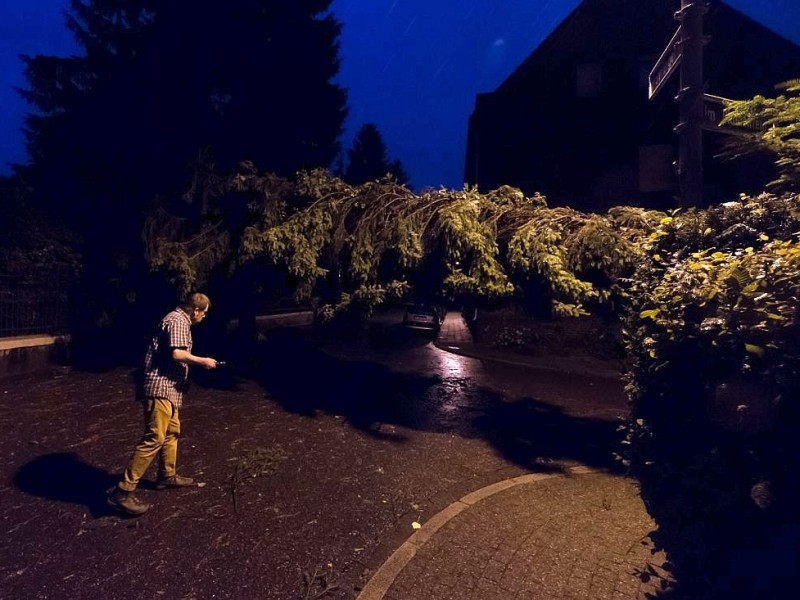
<point x="575" y="123"/>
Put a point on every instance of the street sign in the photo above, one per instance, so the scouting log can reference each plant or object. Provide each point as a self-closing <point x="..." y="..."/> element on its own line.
<point x="666" y="65"/>
<point x="714" y="110"/>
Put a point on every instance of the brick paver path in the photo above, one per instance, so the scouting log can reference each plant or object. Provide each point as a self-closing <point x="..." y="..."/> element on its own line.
<point x="579" y="536"/>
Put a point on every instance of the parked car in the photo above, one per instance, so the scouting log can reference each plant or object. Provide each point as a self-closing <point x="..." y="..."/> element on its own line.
<point x="423" y="316"/>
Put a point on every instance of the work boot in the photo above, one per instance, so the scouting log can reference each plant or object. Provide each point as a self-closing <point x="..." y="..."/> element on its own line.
<point x="176" y="481"/>
<point x="126" y="502"/>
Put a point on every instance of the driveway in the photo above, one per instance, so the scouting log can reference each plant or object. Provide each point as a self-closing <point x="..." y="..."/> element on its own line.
<point x="315" y="455"/>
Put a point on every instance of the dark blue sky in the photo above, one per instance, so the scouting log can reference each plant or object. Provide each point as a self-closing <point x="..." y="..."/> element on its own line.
<point x="413" y="67"/>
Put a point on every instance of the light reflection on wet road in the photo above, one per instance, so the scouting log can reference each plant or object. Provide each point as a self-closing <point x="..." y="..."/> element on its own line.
<point x="471" y="384"/>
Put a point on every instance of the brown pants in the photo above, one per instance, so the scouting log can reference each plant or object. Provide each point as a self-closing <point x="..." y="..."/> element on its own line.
<point x="162" y="427"/>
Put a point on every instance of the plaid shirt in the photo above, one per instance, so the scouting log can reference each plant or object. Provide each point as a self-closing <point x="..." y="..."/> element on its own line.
<point x="164" y="377"/>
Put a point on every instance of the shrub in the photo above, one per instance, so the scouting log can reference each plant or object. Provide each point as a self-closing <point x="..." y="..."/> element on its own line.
<point x="712" y="334"/>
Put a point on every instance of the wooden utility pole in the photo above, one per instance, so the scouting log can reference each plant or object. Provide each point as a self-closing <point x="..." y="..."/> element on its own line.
<point x="690" y="99"/>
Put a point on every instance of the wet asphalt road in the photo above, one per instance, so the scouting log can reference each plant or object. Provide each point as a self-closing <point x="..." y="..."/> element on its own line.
<point x="467" y="385"/>
<point x="314" y="466"/>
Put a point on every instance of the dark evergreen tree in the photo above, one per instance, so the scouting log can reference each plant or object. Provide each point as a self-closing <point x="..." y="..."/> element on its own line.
<point x="367" y="161"/>
<point x="159" y="87"/>
<point x="161" y="84"/>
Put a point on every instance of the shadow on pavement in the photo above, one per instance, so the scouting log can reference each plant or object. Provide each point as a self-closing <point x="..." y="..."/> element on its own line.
<point x="65" y="478"/>
<point x="718" y="561"/>
<point x="304" y="379"/>
<point x="744" y="553"/>
<point x="528" y="432"/>
<point x="532" y="434"/>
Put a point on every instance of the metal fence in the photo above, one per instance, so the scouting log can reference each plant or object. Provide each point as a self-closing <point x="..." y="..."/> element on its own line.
<point x="28" y="308"/>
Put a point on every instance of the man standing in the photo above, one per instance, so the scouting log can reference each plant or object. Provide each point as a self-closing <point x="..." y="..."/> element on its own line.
<point x="166" y="376"/>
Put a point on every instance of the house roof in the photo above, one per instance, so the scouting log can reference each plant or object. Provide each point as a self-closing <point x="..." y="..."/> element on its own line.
<point x="645" y="25"/>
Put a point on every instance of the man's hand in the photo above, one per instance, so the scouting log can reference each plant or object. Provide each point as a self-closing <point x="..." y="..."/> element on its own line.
<point x="208" y="363"/>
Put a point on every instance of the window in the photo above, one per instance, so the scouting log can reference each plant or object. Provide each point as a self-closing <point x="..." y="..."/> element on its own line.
<point x="588" y="80"/>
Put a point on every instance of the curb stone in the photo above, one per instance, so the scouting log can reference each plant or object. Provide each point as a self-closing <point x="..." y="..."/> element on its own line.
<point x="382" y="579"/>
